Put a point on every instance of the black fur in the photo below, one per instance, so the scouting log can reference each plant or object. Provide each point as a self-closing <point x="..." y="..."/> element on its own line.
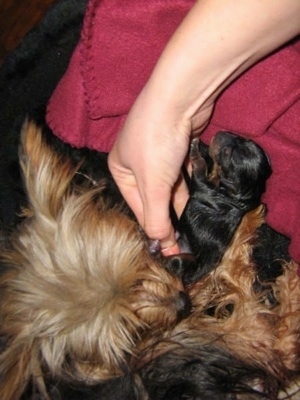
<point x="28" y="77"/>
<point x="196" y="372"/>
<point x="27" y="80"/>
<point x="216" y="206"/>
<point x="201" y="373"/>
<point x="269" y="258"/>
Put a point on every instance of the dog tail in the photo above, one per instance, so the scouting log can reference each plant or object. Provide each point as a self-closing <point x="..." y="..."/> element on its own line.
<point x="17" y="368"/>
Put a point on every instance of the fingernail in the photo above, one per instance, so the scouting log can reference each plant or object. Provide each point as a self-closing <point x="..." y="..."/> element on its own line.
<point x="170" y="250"/>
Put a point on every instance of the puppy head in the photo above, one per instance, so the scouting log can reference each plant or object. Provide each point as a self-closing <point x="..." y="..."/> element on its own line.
<point x="243" y="167"/>
<point x="79" y="285"/>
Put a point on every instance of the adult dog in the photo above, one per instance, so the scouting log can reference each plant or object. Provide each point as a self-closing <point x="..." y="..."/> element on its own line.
<point x="78" y="285"/>
<point x="235" y="344"/>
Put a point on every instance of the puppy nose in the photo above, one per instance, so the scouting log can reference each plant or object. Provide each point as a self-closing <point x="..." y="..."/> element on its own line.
<point x="183" y="305"/>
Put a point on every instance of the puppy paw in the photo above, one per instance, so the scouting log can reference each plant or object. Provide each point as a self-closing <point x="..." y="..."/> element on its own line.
<point x="198" y="162"/>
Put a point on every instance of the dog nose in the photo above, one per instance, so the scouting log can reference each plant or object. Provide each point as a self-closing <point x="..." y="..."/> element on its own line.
<point x="183" y="305"/>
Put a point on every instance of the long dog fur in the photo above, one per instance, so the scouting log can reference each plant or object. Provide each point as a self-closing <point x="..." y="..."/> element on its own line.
<point x="78" y="285"/>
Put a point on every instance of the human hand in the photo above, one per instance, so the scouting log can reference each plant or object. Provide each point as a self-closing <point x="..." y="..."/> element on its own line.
<point x="145" y="162"/>
<point x="214" y="44"/>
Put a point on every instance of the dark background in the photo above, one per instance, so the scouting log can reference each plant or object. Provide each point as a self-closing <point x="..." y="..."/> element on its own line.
<point x="17" y="17"/>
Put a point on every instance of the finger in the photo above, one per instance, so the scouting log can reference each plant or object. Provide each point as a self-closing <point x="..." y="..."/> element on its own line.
<point x="157" y="221"/>
<point x="168" y="244"/>
<point x="133" y="200"/>
<point x="170" y="251"/>
<point x="151" y="218"/>
<point x="188" y="166"/>
<point x="180" y="196"/>
<point x="127" y="185"/>
<point x="152" y="212"/>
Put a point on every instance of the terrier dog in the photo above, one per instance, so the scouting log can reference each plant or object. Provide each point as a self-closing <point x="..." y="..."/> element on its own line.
<point x="87" y="313"/>
<point x="228" y="180"/>
<point x="229" y="302"/>
<point x="78" y="286"/>
<point x="242" y="339"/>
<point x="235" y="344"/>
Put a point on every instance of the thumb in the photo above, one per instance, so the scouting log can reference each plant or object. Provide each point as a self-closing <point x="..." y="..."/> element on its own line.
<point x="157" y="222"/>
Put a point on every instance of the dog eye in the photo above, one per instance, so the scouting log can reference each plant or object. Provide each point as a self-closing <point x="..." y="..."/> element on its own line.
<point x="223" y="312"/>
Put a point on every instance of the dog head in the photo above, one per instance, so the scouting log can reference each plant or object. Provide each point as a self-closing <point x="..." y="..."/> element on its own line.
<point x="238" y="316"/>
<point x="78" y="285"/>
<point x="241" y="166"/>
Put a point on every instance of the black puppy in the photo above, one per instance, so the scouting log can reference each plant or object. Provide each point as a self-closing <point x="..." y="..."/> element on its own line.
<point x="228" y="180"/>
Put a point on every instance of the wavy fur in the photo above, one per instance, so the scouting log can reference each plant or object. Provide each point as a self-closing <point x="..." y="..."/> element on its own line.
<point x="78" y="286"/>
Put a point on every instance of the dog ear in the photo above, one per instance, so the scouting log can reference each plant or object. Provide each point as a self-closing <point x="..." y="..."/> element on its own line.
<point x="46" y="177"/>
<point x="225" y="155"/>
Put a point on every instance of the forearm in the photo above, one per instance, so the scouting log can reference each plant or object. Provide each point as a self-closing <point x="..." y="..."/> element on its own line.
<point x="215" y="43"/>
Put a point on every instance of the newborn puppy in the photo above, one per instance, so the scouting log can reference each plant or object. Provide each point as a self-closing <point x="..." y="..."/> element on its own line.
<point x="228" y="180"/>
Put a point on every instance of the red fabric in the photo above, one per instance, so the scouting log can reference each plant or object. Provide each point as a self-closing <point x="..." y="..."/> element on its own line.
<point x="121" y="41"/>
<point x="264" y="105"/>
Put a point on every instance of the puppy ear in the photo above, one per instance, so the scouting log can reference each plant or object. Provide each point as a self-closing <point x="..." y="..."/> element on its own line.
<point x="225" y="155"/>
<point x="46" y="176"/>
<point x="225" y="159"/>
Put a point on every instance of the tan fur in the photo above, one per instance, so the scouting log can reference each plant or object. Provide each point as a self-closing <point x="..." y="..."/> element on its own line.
<point x="287" y="343"/>
<point x="81" y="296"/>
<point x="249" y="327"/>
<point x="228" y="313"/>
<point x="80" y="286"/>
